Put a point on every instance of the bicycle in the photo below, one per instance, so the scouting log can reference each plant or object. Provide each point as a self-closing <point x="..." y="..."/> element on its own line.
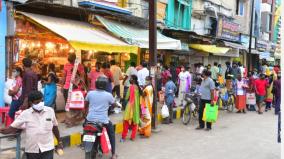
<point x="226" y="100"/>
<point x="191" y="107"/>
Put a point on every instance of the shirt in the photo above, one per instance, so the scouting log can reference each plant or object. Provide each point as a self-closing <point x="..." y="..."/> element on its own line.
<point x="99" y="103"/>
<point x="30" y="84"/>
<point x="130" y="71"/>
<point x="239" y="87"/>
<point x="214" y="71"/>
<point x="260" y="86"/>
<point x="93" y="75"/>
<point x="68" y="69"/>
<point x="142" y="74"/>
<point x="205" y="88"/>
<point x="116" y="73"/>
<point x="170" y="91"/>
<point x="38" y="129"/>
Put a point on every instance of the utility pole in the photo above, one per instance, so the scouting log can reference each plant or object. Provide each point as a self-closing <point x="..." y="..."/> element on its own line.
<point x="250" y="35"/>
<point x="153" y="54"/>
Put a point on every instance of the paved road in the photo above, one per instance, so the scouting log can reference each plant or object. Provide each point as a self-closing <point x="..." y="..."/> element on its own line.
<point x="234" y="136"/>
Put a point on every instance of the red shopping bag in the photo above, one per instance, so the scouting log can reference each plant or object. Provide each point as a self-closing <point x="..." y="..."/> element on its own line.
<point x="105" y="142"/>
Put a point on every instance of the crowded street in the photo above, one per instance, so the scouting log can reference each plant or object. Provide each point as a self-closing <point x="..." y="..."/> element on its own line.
<point x="141" y="79"/>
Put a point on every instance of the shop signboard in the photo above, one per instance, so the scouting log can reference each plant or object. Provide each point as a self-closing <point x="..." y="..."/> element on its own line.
<point x="228" y="29"/>
<point x="264" y="55"/>
<point x="161" y="11"/>
<point x="261" y="44"/>
<point x="245" y="41"/>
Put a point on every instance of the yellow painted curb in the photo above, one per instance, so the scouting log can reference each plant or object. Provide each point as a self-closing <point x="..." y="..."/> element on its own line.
<point x="55" y="142"/>
<point x="75" y="139"/>
<point x="178" y="113"/>
<point x="160" y="119"/>
<point x="118" y="128"/>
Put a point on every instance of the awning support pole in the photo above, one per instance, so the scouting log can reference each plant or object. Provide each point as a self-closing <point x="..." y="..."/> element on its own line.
<point x="250" y="36"/>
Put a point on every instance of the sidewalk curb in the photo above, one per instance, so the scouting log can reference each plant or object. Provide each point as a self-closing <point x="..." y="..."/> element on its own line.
<point x="76" y="138"/>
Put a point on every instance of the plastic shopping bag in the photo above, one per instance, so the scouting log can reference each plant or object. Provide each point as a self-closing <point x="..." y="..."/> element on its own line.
<point x="211" y="113"/>
<point x="165" y="111"/>
<point x="105" y="142"/>
<point x="251" y="100"/>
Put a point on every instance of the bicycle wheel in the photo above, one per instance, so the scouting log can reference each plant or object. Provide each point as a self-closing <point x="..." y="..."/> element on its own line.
<point x="186" y="115"/>
<point x="230" y="104"/>
<point x="220" y="103"/>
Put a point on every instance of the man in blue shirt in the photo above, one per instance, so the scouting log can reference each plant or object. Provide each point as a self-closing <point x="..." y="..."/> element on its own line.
<point x="170" y="96"/>
<point x="99" y="102"/>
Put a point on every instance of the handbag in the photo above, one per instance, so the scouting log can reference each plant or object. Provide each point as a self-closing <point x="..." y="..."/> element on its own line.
<point x="77" y="100"/>
<point x="165" y="111"/>
<point x="211" y="113"/>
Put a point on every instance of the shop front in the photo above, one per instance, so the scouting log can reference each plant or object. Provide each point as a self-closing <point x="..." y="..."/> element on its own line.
<point x="47" y="40"/>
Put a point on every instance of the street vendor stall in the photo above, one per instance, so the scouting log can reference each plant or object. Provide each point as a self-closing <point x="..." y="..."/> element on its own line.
<point x="48" y="39"/>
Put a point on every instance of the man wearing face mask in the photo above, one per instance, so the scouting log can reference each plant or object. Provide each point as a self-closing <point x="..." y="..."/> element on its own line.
<point x="40" y="124"/>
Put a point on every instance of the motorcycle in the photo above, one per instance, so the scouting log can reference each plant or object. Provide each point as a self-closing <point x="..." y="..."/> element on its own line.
<point x="91" y="139"/>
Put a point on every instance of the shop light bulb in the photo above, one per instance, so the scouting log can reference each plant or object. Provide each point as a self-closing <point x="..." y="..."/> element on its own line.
<point x="33" y="44"/>
<point x="71" y="50"/>
<point x="49" y="45"/>
<point x="38" y="44"/>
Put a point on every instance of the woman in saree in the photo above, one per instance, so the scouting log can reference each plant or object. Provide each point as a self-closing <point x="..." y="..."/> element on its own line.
<point x="146" y="108"/>
<point x="131" y="117"/>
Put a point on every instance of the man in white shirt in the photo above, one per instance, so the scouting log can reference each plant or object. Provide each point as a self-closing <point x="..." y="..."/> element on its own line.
<point x="40" y="124"/>
<point x="117" y="75"/>
<point x="142" y="74"/>
<point x="130" y="71"/>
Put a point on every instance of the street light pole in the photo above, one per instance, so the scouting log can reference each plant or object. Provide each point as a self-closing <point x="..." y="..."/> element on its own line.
<point x="250" y="35"/>
<point x="153" y="54"/>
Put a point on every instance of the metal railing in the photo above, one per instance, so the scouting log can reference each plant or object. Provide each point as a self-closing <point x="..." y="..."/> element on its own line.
<point x="17" y="147"/>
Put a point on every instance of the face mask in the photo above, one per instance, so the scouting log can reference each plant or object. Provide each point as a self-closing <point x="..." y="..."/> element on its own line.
<point x="15" y="74"/>
<point x="39" y="106"/>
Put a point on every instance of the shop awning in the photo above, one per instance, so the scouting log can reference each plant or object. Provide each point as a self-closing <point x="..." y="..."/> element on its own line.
<point x="234" y="45"/>
<point x="138" y="36"/>
<point x="210" y="48"/>
<point x="94" y="4"/>
<point x="81" y="35"/>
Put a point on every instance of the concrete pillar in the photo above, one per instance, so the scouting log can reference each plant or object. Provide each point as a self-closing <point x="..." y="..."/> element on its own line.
<point x="3" y="33"/>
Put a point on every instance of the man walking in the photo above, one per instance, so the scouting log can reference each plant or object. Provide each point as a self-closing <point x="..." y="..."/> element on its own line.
<point x="30" y="80"/>
<point x="142" y="74"/>
<point x="260" y="89"/>
<point x="40" y="124"/>
<point x="117" y="75"/>
<point x="215" y="71"/>
<point x="207" y="95"/>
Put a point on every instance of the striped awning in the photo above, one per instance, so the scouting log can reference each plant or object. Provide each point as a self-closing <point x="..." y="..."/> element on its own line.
<point x="139" y="36"/>
<point x="81" y="35"/>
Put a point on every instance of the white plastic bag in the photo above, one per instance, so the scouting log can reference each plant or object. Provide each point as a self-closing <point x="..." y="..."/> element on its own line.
<point x="165" y="111"/>
<point x="251" y="99"/>
<point x="7" y="97"/>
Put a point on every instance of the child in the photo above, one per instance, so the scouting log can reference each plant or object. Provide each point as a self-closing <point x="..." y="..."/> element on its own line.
<point x="131" y="116"/>
<point x="170" y="96"/>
